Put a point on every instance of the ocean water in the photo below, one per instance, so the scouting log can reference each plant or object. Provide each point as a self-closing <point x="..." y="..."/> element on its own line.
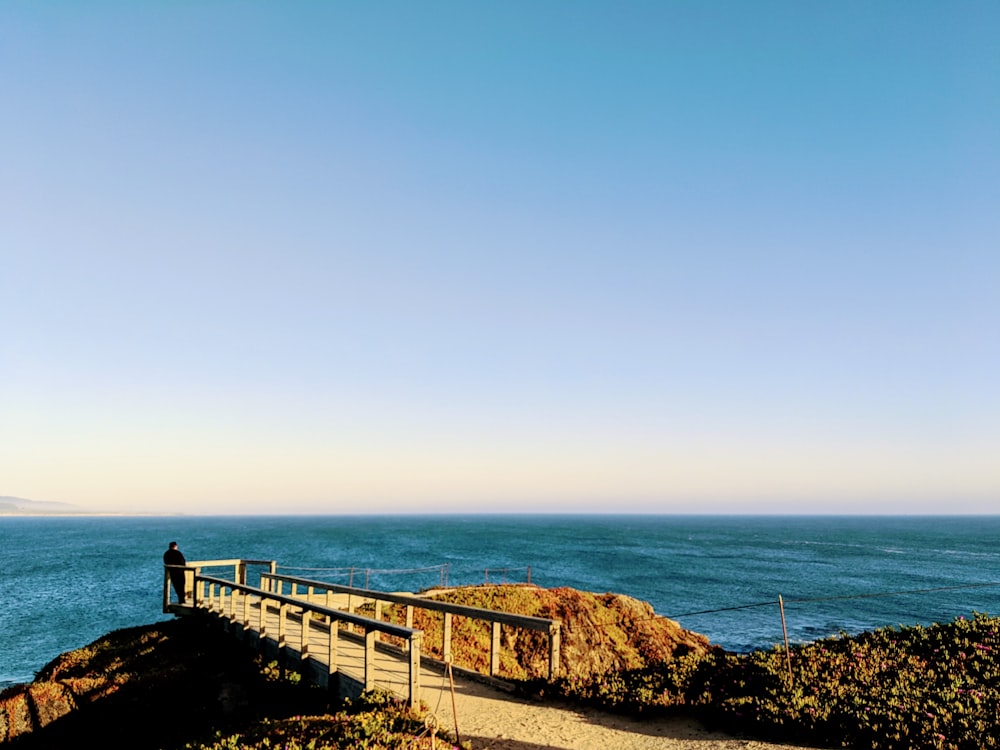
<point x="67" y="581"/>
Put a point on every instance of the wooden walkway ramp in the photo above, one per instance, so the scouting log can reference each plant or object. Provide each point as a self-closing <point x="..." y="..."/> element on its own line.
<point x="313" y="627"/>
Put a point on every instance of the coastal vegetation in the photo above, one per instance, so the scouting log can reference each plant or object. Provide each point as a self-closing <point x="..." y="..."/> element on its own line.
<point x="895" y="688"/>
<point x="179" y="685"/>
<point x="890" y="689"/>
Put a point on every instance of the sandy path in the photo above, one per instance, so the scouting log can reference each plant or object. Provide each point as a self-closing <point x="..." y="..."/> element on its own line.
<point x="495" y="720"/>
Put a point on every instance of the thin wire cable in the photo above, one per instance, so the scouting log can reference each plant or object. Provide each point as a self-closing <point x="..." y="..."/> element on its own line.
<point x="837" y="598"/>
<point x="893" y="593"/>
<point x="369" y="570"/>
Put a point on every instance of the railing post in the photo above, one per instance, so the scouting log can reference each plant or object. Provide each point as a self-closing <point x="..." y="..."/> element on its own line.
<point x="494" y="648"/>
<point x="554" y="640"/>
<point x="446" y="639"/>
<point x="241" y="573"/>
<point x="409" y="621"/>
<point x="331" y="655"/>
<point x="246" y="610"/>
<point x="304" y="643"/>
<point x="191" y="576"/>
<point x="282" y="612"/>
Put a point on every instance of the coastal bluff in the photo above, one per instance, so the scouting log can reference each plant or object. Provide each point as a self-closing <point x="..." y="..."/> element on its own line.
<point x="601" y="633"/>
<point x="189" y="681"/>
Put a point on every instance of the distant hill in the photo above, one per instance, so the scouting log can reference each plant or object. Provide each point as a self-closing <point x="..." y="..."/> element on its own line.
<point x="15" y="505"/>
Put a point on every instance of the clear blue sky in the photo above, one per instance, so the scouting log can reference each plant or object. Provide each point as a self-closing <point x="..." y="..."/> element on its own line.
<point x="368" y="257"/>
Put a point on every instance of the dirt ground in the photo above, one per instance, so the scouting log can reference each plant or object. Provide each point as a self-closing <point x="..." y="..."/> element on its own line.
<point x="494" y="720"/>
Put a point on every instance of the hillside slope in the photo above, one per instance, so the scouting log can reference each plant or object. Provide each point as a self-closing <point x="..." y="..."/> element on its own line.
<point x="600" y="632"/>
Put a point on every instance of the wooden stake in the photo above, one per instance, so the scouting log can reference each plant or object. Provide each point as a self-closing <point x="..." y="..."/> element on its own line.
<point x="454" y="711"/>
<point x="784" y="630"/>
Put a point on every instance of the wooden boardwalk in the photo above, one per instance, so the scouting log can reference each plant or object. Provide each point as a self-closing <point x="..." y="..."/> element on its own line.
<point x="315" y="630"/>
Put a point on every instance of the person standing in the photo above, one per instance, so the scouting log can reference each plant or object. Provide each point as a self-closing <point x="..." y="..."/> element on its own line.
<point x="173" y="556"/>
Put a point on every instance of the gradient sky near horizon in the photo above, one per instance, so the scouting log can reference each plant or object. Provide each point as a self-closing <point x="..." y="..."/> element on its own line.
<point x="363" y="257"/>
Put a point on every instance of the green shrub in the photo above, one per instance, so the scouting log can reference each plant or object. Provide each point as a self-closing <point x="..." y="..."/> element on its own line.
<point x="373" y="722"/>
<point x="891" y="689"/>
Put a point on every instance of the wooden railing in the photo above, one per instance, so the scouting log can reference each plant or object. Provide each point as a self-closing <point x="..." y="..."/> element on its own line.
<point x="355" y="596"/>
<point x="245" y="602"/>
<point x="193" y="569"/>
<point x="248" y="606"/>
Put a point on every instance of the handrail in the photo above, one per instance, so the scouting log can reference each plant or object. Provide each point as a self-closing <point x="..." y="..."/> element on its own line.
<point x="479" y="613"/>
<point x="194" y="567"/>
<point x="494" y="617"/>
<point x="369" y="625"/>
